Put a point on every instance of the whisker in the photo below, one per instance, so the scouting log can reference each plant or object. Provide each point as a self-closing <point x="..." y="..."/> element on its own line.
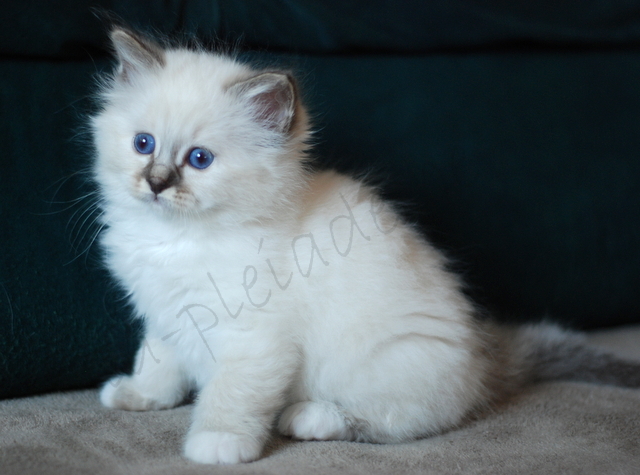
<point x="83" y="209"/>
<point x="86" y="228"/>
<point x="71" y="203"/>
<point x="92" y="239"/>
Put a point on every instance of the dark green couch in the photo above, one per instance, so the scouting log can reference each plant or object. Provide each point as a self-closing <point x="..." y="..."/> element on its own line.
<point x="511" y="128"/>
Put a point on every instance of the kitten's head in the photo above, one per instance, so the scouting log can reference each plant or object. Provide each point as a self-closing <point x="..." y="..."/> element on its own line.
<point x="188" y="133"/>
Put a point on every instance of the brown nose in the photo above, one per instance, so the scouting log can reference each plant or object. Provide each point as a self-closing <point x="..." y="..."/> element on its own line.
<point x="160" y="178"/>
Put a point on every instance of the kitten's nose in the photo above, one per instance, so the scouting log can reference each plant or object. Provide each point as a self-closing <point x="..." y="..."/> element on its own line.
<point x="160" y="178"/>
<point x="157" y="184"/>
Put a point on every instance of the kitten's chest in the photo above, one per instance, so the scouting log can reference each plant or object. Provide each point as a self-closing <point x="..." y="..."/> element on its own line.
<point x="164" y="274"/>
<point x="199" y="295"/>
<point x="150" y="260"/>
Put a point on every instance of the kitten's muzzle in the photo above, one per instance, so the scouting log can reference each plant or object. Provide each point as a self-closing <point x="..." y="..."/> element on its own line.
<point x="161" y="177"/>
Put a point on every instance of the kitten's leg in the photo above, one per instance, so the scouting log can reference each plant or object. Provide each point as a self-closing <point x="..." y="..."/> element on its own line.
<point x="157" y="382"/>
<point x="309" y="420"/>
<point x="235" y="411"/>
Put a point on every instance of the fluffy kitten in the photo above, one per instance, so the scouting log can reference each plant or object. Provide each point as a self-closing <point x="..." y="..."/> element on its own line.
<point x="282" y="295"/>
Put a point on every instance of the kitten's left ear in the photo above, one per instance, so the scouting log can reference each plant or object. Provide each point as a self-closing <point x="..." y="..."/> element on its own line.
<point x="272" y="98"/>
<point x="135" y="53"/>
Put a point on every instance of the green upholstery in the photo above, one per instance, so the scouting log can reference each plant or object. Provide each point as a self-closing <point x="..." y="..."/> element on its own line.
<point x="61" y="324"/>
<point x="70" y="28"/>
<point x="511" y="131"/>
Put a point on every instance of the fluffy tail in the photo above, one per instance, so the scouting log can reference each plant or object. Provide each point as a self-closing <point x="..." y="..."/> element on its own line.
<point x="544" y="351"/>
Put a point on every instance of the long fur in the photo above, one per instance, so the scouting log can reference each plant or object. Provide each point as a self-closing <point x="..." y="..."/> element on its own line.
<point x="281" y="295"/>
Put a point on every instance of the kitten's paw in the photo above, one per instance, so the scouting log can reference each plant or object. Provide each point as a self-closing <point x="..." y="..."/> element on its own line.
<point x="120" y="393"/>
<point x="221" y="447"/>
<point x="315" y="421"/>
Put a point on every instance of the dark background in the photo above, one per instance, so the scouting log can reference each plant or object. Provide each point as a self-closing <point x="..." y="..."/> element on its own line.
<point x="509" y="128"/>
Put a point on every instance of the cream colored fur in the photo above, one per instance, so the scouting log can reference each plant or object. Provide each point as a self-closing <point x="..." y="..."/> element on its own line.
<point x="280" y="295"/>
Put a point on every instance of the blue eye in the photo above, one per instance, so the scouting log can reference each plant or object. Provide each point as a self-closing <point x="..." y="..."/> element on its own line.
<point x="200" y="158"/>
<point x="144" y="143"/>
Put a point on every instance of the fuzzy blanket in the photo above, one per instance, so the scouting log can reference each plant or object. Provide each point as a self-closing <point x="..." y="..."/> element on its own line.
<point x="568" y="428"/>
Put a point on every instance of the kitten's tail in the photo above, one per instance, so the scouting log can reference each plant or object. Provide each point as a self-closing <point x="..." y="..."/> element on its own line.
<point x="544" y="351"/>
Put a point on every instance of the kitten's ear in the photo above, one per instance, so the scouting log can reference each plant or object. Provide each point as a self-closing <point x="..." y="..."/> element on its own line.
<point x="272" y="98"/>
<point x="135" y="54"/>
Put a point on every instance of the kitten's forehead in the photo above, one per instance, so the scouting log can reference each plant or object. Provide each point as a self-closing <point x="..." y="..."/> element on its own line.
<point x="188" y="94"/>
<point x="200" y="73"/>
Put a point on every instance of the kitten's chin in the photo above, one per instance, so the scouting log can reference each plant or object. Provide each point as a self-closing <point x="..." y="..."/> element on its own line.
<point x="158" y="204"/>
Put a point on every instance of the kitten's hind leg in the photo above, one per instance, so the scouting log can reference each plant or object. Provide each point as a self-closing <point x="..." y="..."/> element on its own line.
<point x="157" y="381"/>
<point x="309" y="420"/>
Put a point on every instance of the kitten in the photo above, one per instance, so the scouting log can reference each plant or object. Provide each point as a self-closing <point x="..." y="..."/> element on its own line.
<point x="282" y="295"/>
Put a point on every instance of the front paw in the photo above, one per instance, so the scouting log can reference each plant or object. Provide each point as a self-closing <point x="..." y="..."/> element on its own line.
<point x="221" y="447"/>
<point x="120" y="392"/>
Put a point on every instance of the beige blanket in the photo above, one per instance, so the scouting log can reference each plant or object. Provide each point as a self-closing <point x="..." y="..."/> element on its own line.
<point x="568" y="428"/>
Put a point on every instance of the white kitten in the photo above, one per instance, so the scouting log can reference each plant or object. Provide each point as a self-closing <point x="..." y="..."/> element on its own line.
<point x="277" y="292"/>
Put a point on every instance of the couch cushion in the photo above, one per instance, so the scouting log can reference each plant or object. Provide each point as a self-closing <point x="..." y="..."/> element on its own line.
<point x="71" y="28"/>
<point x="63" y="325"/>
